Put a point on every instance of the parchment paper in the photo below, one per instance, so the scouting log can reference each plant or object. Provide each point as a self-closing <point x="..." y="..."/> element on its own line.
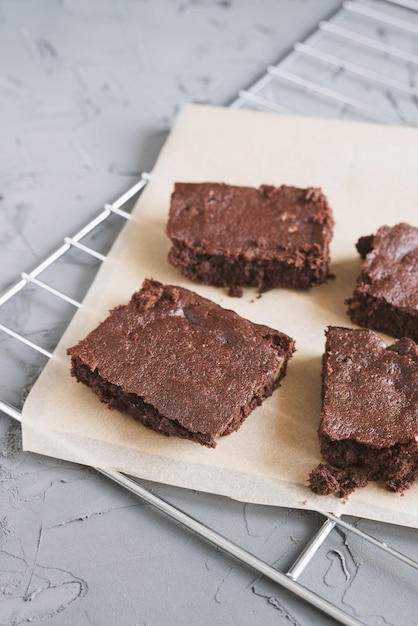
<point x="369" y="174"/>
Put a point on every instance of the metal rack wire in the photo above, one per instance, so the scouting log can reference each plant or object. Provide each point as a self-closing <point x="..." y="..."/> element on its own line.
<point x="370" y="74"/>
<point x="377" y="57"/>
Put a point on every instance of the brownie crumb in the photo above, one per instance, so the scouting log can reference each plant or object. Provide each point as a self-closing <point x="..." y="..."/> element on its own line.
<point x="235" y="292"/>
<point x="325" y="480"/>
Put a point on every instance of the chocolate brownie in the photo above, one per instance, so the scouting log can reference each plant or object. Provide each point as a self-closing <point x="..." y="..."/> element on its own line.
<point x="369" y="421"/>
<point x="263" y="237"/>
<point x="386" y="294"/>
<point x="181" y="364"/>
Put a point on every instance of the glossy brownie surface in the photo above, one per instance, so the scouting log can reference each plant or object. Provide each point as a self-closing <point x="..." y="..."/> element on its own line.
<point x="180" y="363"/>
<point x="370" y="390"/>
<point x="369" y="421"/>
<point x="267" y="236"/>
<point x="258" y="220"/>
<point x="386" y="293"/>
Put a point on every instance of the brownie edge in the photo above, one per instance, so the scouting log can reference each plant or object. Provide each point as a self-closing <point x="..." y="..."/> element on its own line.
<point x="181" y="364"/>
<point x="385" y="297"/>
<point x="369" y="420"/>
<point x="235" y="236"/>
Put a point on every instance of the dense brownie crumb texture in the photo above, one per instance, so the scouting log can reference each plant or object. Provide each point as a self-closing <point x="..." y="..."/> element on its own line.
<point x="181" y="364"/>
<point x="386" y="294"/>
<point x="369" y="422"/>
<point x="266" y="237"/>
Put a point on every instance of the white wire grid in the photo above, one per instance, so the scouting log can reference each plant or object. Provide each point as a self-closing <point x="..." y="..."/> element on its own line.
<point x="371" y="74"/>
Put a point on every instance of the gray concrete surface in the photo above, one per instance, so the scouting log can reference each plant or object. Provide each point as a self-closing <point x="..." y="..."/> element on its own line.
<point x="88" y="92"/>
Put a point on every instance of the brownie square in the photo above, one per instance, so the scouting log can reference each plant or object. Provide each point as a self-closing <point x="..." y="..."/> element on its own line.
<point x="181" y="364"/>
<point x="263" y="237"/>
<point x="386" y="294"/>
<point x="369" y="420"/>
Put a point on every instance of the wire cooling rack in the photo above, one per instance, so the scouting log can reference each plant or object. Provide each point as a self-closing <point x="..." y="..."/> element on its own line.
<point x="361" y="64"/>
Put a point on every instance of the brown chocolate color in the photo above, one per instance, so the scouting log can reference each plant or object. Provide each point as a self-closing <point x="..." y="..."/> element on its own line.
<point x="386" y="294"/>
<point x="181" y="364"/>
<point x="263" y="237"/>
<point x="369" y="420"/>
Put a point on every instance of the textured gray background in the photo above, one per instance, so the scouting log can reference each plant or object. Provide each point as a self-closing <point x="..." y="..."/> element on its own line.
<point x="88" y="92"/>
